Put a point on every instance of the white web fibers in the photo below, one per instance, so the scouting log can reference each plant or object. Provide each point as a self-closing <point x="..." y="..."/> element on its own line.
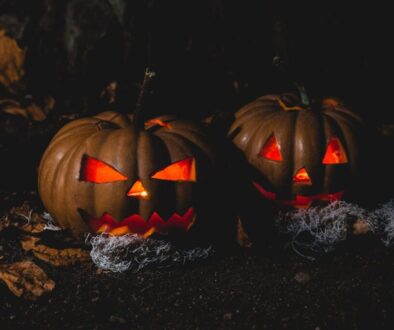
<point x="383" y="222"/>
<point x="50" y="222"/>
<point x="134" y="253"/>
<point x="320" y="229"/>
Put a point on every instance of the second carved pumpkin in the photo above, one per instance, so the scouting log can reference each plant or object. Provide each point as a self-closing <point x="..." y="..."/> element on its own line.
<point x="302" y="154"/>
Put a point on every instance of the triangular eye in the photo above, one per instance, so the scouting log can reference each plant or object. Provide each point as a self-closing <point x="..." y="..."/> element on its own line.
<point x="335" y="153"/>
<point x="94" y="170"/>
<point x="271" y="149"/>
<point x="183" y="170"/>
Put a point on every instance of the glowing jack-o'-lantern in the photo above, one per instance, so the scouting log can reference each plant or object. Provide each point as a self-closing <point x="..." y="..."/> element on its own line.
<point x="302" y="154"/>
<point x="105" y="174"/>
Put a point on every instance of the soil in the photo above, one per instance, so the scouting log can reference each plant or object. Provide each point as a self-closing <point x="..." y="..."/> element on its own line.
<point x="351" y="288"/>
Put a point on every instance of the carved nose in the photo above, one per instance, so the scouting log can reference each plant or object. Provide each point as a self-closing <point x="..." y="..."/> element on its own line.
<point x="138" y="190"/>
<point x="302" y="177"/>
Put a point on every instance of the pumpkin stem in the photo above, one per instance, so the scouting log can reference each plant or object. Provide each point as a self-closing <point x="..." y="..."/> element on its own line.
<point x="303" y="95"/>
<point x="279" y="63"/>
<point x="281" y="59"/>
<point x="145" y="90"/>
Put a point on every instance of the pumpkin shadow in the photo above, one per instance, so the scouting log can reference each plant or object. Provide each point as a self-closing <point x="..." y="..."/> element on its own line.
<point x="244" y="202"/>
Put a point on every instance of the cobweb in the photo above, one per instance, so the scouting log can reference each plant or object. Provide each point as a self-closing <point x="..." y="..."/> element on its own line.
<point x="321" y="229"/>
<point x="383" y="222"/>
<point x="135" y="253"/>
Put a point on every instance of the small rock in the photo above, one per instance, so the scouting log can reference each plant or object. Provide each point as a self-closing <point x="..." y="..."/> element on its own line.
<point x="302" y="277"/>
<point x="117" y="319"/>
<point x="227" y="316"/>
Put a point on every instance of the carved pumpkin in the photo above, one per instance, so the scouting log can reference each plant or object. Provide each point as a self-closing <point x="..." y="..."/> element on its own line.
<point x="302" y="154"/>
<point x="105" y="174"/>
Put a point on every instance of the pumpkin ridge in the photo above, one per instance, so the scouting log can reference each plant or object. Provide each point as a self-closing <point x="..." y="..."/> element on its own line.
<point x="256" y="130"/>
<point x="55" y="193"/>
<point x="191" y="138"/>
<point x="174" y="142"/>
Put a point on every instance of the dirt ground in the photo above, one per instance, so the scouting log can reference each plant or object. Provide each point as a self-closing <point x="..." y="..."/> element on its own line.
<point x="349" y="289"/>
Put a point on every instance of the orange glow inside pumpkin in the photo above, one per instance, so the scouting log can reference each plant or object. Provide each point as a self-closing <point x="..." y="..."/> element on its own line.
<point x="159" y="122"/>
<point x="97" y="171"/>
<point x="302" y="177"/>
<point x="138" y="191"/>
<point x="335" y="153"/>
<point x="271" y="149"/>
<point x="183" y="170"/>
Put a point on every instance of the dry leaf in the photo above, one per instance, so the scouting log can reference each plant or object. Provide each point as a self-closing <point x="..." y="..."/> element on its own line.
<point x="24" y="218"/>
<point x="109" y="92"/>
<point x="26" y="279"/>
<point x="11" y="61"/>
<point x="56" y="257"/>
<point x="242" y="237"/>
<point x="361" y="227"/>
<point x="17" y="111"/>
<point x="32" y="111"/>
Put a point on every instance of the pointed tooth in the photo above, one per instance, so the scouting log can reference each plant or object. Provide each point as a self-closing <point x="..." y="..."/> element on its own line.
<point x="149" y="232"/>
<point x="103" y="228"/>
<point x="118" y="231"/>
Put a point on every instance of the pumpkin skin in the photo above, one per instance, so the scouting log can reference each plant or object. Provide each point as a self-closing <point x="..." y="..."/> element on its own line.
<point x="132" y="155"/>
<point x="301" y="155"/>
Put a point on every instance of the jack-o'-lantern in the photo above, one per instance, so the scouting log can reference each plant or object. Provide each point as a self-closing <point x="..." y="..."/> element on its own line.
<point x="302" y="154"/>
<point x="117" y="174"/>
<point x="106" y="174"/>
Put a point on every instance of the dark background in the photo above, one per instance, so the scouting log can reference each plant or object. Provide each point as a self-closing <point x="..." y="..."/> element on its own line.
<point x="210" y="55"/>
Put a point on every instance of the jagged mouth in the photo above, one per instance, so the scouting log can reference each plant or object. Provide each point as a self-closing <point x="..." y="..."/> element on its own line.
<point x="299" y="201"/>
<point x="135" y="224"/>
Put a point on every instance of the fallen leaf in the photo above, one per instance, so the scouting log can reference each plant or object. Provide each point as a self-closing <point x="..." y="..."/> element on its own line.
<point x="12" y="58"/>
<point x="56" y="257"/>
<point x="26" y="279"/>
<point x="32" y="111"/>
<point x="24" y="218"/>
<point x="109" y="92"/>
<point x="360" y="227"/>
<point x="16" y="111"/>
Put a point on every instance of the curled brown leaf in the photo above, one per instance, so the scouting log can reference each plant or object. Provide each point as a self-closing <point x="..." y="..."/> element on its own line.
<point x="56" y="257"/>
<point x="12" y="58"/>
<point x="26" y="279"/>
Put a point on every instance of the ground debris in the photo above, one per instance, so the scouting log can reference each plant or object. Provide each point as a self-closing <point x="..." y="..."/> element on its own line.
<point x="35" y="111"/>
<point x="25" y="279"/>
<point x="302" y="277"/>
<point x="24" y="218"/>
<point x="56" y="257"/>
<point x="12" y="58"/>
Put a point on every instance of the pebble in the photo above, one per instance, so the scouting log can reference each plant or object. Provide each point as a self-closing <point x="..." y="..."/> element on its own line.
<point x="302" y="277"/>
<point x="117" y="319"/>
